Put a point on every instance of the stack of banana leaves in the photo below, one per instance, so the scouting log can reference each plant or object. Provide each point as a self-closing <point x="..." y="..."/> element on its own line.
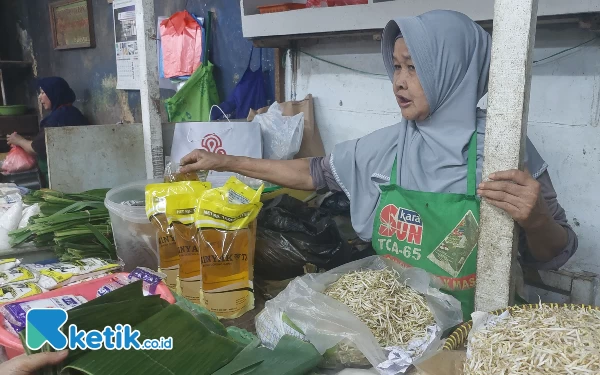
<point x="200" y="344"/>
<point x="76" y="226"/>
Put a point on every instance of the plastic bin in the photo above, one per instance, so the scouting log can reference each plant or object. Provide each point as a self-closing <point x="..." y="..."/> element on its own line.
<point x="134" y="235"/>
<point x="12" y="344"/>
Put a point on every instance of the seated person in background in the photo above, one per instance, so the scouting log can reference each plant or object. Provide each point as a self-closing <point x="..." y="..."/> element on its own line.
<point x="55" y="95"/>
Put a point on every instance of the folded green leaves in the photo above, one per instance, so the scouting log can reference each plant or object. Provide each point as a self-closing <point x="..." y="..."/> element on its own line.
<point x="77" y="226"/>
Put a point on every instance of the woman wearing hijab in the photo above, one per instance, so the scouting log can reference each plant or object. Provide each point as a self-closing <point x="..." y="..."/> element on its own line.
<point x="55" y="95"/>
<point x="414" y="187"/>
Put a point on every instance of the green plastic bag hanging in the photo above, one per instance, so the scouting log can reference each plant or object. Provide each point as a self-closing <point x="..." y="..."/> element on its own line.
<point x="195" y="99"/>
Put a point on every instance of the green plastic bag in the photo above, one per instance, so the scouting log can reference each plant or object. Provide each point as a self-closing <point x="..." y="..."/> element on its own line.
<point x="195" y="99"/>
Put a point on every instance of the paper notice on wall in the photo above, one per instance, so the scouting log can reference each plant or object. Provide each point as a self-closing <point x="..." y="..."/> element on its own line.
<point x="126" y="46"/>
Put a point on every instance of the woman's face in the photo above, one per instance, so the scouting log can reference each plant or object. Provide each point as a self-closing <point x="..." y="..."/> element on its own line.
<point x="407" y="87"/>
<point x="43" y="98"/>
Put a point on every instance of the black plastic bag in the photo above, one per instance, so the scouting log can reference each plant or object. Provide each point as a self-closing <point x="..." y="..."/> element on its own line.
<point x="337" y="204"/>
<point x="290" y="235"/>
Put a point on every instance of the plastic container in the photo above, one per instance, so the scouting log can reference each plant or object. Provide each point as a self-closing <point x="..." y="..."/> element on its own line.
<point x="134" y="235"/>
<point x="12" y="345"/>
<point x="12" y="110"/>
<point x="280" y="8"/>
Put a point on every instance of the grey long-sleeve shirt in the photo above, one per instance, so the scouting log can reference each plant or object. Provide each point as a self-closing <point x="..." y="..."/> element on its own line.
<point x="324" y="180"/>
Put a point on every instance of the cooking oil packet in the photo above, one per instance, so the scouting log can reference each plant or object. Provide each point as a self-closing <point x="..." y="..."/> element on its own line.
<point x="226" y="240"/>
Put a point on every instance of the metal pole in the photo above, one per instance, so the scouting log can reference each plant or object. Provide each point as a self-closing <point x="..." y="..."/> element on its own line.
<point x="149" y="91"/>
<point x="506" y="130"/>
<point x="2" y="88"/>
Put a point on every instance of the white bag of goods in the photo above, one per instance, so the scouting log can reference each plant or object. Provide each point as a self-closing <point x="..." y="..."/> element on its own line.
<point x="226" y="138"/>
<point x="10" y="221"/>
<point x="28" y="213"/>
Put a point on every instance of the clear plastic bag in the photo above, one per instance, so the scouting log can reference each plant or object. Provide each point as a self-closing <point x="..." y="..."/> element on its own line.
<point x="282" y="135"/>
<point x="303" y="311"/>
<point x="254" y="183"/>
<point x="173" y="174"/>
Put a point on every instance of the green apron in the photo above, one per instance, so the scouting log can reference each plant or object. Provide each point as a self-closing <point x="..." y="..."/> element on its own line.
<point x="43" y="168"/>
<point x="436" y="232"/>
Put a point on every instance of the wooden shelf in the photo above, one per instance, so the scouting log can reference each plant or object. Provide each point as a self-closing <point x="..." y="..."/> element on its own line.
<point x="24" y="124"/>
<point x="374" y="16"/>
<point x="14" y="64"/>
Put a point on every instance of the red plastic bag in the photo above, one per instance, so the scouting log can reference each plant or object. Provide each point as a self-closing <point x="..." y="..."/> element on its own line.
<point x="337" y="3"/>
<point x="18" y="160"/>
<point x="315" y="3"/>
<point x="333" y="3"/>
<point x="181" y="40"/>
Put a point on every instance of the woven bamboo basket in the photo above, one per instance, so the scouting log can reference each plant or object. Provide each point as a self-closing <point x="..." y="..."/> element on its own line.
<point x="457" y="340"/>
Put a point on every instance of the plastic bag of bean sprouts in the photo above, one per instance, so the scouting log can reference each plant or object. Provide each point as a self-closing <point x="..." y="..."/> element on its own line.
<point x="370" y="312"/>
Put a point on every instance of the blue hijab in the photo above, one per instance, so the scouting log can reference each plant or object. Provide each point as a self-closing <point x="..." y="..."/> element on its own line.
<point x="61" y="97"/>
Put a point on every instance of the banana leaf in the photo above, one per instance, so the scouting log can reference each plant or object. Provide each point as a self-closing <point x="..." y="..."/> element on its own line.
<point x="126" y="305"/>
<point x="97" y="317"/>
<point x="196" y="350"/>
<point x="125" y="293"/>
<point x="290" y="357"/>
<point x="205" y="317"/>
<point x="240" y="335"/>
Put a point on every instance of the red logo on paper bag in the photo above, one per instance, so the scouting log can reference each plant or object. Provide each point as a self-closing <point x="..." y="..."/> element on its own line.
<point x="213" y="143"/>
<point x="405" y="224"/>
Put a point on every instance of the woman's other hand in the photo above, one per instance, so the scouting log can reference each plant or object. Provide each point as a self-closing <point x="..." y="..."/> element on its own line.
<point x="519" y="194"/>
<point x="15" y="139"/>
<point x="30" y="364"/>
<point x="200" y="160"/>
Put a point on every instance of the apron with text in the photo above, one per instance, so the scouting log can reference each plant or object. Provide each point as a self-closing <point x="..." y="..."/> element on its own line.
<point x="436" y="232"/>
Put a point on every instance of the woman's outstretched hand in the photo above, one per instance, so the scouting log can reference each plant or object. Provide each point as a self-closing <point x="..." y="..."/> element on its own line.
<point x="200" y="160"/>
<point x="294" y="174"/>
<point x="519" y="194"/>
<point x="30" y="364"/>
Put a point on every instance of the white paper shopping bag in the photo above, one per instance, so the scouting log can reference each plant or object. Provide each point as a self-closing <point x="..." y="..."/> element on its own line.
<point x="228" y="138"/>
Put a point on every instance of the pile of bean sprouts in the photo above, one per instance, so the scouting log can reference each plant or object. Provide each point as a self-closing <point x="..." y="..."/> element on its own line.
<point x="545" y="340"/>
<point x="394" y="312"/>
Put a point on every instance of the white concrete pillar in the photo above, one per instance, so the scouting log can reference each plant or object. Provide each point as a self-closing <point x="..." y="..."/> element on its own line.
<point x="508" y="105"/>
<point x="149" y="90"/>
